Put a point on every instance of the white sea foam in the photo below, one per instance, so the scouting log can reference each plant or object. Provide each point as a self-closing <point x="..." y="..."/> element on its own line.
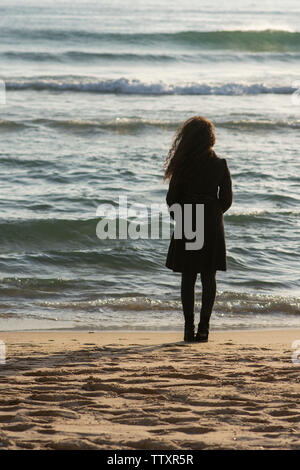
<point x="134" y="86"/>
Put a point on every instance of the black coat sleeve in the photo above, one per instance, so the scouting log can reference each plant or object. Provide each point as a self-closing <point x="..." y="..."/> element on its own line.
<point x="225" y="189"/>
<point x="173" y="195"/>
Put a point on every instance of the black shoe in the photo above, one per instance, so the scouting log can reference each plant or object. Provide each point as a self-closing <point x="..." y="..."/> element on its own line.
<point x="202" y="335"/>
<point x="189" y="333"/>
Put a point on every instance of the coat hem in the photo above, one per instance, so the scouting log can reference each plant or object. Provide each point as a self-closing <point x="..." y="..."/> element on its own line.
<point x="197" y="271"/>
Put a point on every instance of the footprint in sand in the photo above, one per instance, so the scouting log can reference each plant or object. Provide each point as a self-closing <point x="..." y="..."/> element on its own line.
<point x="7" y="418"/>
<point x="54" y="413"/>
<point x="18" y="427"/>
<point x="194" y="429"/>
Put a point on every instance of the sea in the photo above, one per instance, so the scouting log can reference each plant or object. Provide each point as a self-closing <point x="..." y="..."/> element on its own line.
<point x="91" y="94"/>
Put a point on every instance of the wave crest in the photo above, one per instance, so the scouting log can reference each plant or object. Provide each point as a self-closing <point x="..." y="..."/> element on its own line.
<point x="226" y="302"/>
<point x="259" y="40"/>
<point x="134" y="86"/>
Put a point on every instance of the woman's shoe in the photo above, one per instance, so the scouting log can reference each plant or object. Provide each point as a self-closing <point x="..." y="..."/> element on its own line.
<point x="189" y="332"/>
<point x="202" y="335"/>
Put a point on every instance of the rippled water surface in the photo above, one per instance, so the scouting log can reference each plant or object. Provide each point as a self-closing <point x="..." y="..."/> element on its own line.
<point x="94" y="93"/>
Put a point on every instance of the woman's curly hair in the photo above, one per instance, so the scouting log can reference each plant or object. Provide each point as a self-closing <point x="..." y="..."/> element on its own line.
<point x="195" y="137"/>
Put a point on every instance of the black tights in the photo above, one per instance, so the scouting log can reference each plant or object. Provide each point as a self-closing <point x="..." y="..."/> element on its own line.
<point x="188" y="280"/>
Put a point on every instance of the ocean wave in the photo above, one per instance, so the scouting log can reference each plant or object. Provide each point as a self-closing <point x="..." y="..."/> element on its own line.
<point x="134" y="86"/>
<point x="130" y="125"/>
<point x="70" y="242"/>
<point x="74" y="244"/>
<point x="30" y="287"/>
<point x="226" y="302"/>
<point x="9" y="125"/>
<point x="117" y="124"/>
<point x="27" y="162"/>
<point x="251" y="124"/>
<point x="80" y="234"/>
<point x="262" y="212"/>
<point x="134" y="124"/>
<point x="39" y="283"/>
<point x="88" y="56"/>
<point x="267" y="217"/>
<point x="244" y="219"/>
<point x="114" y="259"/>
<point x="76" y="238"/>
<point x="244" y="40"/>
<point x="41" y="287"/>
<point x="61" y="294"/>
<point x="73" y="56"/>
<point x="40" y="233"/>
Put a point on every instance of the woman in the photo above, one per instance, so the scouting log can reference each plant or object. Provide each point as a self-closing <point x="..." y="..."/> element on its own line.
<point x="197" y="177"/>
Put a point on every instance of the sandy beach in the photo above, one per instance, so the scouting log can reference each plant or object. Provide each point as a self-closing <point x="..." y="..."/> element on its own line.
<point x="149" y="390"/>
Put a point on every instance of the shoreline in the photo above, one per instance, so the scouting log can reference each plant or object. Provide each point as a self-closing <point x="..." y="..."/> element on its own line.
<point x="91" y="330"/>
<point x="258" y="336"/>
<point x="149" y="390"/>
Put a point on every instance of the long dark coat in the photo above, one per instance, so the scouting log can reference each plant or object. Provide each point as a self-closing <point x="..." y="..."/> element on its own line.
<point x="207" y="181"/>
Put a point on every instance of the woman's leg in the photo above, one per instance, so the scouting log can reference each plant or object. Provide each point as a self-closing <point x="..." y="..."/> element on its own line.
<point x="188" y="281"/>
<point x="209" y="287"/>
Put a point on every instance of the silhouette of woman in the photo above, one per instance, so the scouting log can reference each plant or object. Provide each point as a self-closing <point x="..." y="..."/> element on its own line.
<point x="197" y="177"/>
